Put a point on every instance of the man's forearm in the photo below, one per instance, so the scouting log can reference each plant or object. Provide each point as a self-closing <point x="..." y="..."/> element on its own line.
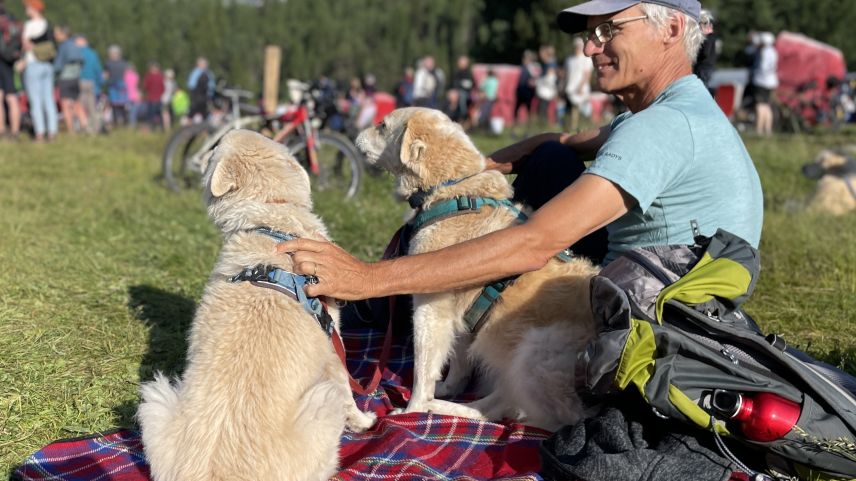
<point x="475" y="262"/>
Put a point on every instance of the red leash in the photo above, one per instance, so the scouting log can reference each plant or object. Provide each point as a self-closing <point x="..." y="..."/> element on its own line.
<point x="392" y="250"/>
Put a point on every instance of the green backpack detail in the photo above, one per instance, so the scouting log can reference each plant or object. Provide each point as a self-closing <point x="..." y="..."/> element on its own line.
<point x="671" y="328"/>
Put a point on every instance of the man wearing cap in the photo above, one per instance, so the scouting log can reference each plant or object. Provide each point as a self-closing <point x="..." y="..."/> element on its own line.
<point x="672" y="160"/>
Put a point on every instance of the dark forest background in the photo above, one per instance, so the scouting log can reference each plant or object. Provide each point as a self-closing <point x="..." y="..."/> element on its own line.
<point x="345" y="38"/>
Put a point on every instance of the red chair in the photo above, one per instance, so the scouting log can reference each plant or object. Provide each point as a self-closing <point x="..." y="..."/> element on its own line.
<point x="725" y="96"/>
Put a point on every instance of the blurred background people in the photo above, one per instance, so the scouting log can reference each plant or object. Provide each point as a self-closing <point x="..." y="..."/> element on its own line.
<point x="200" y="85"/>
<point x="153" y="90"/>
<point x="10" y="53"/>
<point x="766" y="80"/>
<point x="169" y="87"/>
<point x="546" y="86"/>
<point x="530" y="70"/>
<point x="459" y="96"/>
<point x="706" y="59"/>
<point x="39" y="51"/>
<point x="117" y="91"/>
<point x="90" y="83"/>
<point x="68" y="66"/>
<point x="578" y="71"/>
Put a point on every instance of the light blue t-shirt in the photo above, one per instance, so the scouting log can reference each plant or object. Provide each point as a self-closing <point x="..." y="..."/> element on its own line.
<point x="682" y="160"/>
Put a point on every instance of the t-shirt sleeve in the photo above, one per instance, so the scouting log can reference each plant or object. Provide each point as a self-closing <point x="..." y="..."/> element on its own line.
<point x="645" y="153"/>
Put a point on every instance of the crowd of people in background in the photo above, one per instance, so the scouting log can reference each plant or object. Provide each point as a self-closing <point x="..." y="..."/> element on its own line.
<point x="52" y="74"/>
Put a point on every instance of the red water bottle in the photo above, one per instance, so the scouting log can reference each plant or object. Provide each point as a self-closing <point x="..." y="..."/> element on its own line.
<point x="762" y="416"/>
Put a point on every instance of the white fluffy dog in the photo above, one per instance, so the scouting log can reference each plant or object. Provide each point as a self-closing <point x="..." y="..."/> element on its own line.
<point x="835" y="172"/>
<point x="529" y="343"/>
<point x="263" y="395"/>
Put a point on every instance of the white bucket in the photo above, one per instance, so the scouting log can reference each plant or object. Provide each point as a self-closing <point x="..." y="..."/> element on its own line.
<point x="497" y="124"/>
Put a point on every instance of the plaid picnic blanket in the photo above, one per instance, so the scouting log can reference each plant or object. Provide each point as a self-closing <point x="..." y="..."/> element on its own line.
<point x="406" y="446"/>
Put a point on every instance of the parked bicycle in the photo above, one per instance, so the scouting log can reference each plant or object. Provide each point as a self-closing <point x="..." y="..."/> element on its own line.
<point x="333" y="162"/>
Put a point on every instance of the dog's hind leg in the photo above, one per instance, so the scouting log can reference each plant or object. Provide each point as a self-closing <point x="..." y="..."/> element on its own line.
<point x="460" y="370"/>
<point x="355" y="420"/>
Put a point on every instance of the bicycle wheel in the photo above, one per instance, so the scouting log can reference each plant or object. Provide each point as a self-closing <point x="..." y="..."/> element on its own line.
<point x="178" y="174"/>
<point x="340" y="165"/>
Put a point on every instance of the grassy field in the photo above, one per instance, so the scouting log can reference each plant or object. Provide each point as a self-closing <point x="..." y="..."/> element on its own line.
<point x="101" y="268"/>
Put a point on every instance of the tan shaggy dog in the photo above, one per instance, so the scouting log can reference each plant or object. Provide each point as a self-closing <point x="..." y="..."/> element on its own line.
<point x="263" y="395"/>
<point x="835" y="171"/>
<point x="529" y="344"/>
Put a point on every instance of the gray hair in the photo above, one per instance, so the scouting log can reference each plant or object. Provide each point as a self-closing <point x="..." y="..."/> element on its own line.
<point x="659" y="15"/>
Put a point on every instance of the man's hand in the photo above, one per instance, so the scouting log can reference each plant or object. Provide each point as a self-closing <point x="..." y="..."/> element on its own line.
<point x="340" y="275"/>
<point x="509" y="159"/>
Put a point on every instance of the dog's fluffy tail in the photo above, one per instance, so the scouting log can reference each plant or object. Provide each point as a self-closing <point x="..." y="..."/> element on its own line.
<point x="156" y="415"/>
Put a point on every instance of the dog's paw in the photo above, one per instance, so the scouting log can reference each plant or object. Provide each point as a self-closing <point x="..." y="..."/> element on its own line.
<point x="360" y="421"/>
<point x="446" y="388"/>
<point x="439" y="406"/>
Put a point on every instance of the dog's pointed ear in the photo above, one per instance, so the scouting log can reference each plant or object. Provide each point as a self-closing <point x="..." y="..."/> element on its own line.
<point x="223" y="180"/>
<point x="412" y="145"/>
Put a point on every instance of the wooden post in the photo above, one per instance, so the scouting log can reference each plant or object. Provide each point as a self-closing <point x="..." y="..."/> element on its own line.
<point x="270" y="95"/>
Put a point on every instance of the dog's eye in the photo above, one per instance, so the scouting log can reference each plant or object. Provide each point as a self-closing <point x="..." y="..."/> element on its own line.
<point x="382" y="126"/>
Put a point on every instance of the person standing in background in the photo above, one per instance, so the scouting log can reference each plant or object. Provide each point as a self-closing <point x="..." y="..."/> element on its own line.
<point x="10" y="53"/>
<point x="404" y="89"/>
<point x="200" y="84"/>
<point x="766" y="79"/>
<point x="117" y="91"/>
<point x="427" y="83"/>
<point x="39" y="51"/>
<point x="530" y="70"/>
<point x="706" y="60"/>
<point x="90" y="83"/>
<point x="68" y="65"/>
<point x="153" y="88"/>
<point x="166" y="99"/>
<point x="459" y="96"/>
<point x="132" y="83"/>
<point x="578" y="70"/>
<point x="487" y="97"/>
<point x="546" y="87"/>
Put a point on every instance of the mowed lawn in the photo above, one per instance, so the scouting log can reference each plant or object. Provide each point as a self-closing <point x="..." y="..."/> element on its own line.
<point x="100" y="269"/>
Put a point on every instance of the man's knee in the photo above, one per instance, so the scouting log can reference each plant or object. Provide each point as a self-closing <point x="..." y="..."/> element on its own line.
<point x="550" y="168"/>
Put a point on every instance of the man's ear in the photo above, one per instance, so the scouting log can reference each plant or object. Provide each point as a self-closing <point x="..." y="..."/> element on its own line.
<point x="223" y="180"/>
<point x="412" y="145"/>
<point x="675" y="29"/>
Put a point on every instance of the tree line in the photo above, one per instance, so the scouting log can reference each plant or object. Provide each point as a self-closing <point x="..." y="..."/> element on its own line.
<point x="346" y="38"/>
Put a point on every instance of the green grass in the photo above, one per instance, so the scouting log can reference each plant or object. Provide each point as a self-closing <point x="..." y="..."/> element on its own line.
<point x="101" y="268"/>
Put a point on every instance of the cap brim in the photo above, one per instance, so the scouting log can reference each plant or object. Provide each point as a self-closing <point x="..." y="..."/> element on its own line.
<point x="574" y="19"/>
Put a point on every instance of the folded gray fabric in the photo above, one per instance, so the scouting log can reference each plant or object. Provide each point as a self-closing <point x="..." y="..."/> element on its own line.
<point x="609" y="447"/>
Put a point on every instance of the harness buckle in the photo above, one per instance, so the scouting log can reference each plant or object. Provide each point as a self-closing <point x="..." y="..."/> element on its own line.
<point x="467" y="203"/>
<point x="253" y="274"/>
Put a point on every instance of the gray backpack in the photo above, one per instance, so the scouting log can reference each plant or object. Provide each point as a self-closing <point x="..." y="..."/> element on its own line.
<point x="672" y="329"/>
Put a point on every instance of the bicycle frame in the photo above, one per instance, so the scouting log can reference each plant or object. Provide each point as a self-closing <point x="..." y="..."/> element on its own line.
<point x="299" y="121"/>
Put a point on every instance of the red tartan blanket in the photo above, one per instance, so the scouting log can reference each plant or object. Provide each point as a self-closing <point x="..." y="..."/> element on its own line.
<point x="408" y="446"/>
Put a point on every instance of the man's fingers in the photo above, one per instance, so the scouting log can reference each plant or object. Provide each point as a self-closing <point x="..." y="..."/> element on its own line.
<point x="300" y="244"/>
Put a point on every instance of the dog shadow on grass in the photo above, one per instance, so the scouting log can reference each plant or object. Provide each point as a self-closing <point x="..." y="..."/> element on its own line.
<point x="169" y="317"/>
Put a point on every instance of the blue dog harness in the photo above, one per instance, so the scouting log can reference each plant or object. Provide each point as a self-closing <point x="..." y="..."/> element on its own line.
<point x="286" y="282"/>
